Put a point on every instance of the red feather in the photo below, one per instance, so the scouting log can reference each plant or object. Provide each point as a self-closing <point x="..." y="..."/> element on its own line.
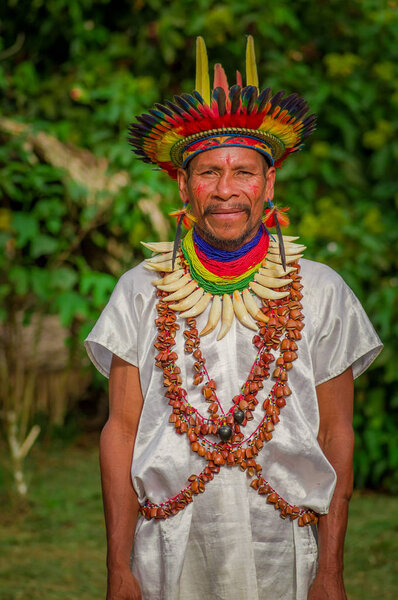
<point x="220" y="78"/>
<point x="271" y="213"/>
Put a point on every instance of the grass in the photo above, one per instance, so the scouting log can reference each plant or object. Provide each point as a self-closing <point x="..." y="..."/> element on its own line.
<point x="53" y="548"/>
<point x="371" y="557"/>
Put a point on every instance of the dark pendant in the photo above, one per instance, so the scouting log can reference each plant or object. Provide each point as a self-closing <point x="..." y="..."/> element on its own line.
<point x="239" y="416"/>
<point x="224" y="432"/>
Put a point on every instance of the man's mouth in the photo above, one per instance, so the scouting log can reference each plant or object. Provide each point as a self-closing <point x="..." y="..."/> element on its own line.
<point x="227" y="210"/>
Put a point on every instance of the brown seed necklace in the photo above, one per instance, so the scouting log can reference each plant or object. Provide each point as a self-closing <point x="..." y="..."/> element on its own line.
<point x="229" y="446"/>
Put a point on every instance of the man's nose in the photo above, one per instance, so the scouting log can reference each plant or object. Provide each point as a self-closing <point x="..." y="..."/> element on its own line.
<point x="226" y="187"/>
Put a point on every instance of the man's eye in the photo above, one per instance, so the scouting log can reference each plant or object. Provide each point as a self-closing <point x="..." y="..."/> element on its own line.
<point x="245" y="173"/>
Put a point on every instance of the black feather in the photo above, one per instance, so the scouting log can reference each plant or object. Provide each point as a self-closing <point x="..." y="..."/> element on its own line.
<point x="198" y="97"/>
<point x="263" y="99"/>
<point x="164" y="110"/>
<point x="221" y="99"/>
<point x="250" y="97"/>
<point x="137" y="127"/>
<point x="310" y="119"/>
<point x="147" y="120"/>
<point x="191" y="101"/>
<point x="277" y="98"/>
<point x="176" y="109"/>
<point x="182" y="102"/>
<point x="234" y="96"/>
<point x="281" y="244"/>
<point x="300" y="114"/>
<point x="156" y="113"/>
<point x="177" y="240"/>
<point x="289" y="100"/>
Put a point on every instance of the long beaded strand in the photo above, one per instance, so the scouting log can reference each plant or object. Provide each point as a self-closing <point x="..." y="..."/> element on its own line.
<point x="284" y="317"/>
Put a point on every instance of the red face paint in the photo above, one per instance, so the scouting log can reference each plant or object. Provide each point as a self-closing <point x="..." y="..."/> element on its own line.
<point x="198" y="189"/>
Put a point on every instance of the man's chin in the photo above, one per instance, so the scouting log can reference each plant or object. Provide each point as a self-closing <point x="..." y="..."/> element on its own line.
<point x="229" y="241"/>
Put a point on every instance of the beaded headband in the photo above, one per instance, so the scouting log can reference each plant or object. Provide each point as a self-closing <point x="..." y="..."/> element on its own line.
<point x="215" y="141"/>
<point x="171" y="134"/>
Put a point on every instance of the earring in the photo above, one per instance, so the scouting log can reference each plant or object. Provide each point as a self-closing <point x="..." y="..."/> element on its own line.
<point x="187" y="218"/>
<point x="274" y="217"/>
<point x="184" y="217"/>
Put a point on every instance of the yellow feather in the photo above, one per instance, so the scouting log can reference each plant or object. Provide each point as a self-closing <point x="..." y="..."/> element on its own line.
<point x="251" y="67"/>
<point x="202" y="82"/>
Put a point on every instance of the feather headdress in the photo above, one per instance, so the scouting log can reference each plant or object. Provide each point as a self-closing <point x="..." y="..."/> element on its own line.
<point x="170" y="134"/>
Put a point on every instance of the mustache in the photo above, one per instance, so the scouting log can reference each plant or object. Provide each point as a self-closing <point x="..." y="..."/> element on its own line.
<point x="216" y="208"/>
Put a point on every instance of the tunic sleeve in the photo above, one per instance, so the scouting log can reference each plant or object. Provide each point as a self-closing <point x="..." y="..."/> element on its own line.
<point x="343" y="335"/>
<point x="117" y="329"/>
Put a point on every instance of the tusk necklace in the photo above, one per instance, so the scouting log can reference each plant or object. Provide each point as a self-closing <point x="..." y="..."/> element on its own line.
<point x="228" y="281"/>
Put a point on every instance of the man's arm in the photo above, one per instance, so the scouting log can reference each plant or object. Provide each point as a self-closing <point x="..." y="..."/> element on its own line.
<point x="336" y="438"/>
<point x="120" y="500"/>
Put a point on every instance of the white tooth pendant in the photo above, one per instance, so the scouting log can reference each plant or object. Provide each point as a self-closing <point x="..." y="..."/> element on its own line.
<point x="275" y="258"/>
<point x="252" y="307"/>
<point x="241" y="312"/>
<point x="273" y="282"/>
<point x="170" y="278"/>
<point x="289" y="249"/>
<point x="290" y="238"/>
<point x="198" y="308"/>
<point x="175" y="285"/>
<point x="159" y="258"/>
<point x="189" y="301"/>
<point x="182" y="292"/>
<point x="159" y="246"/>
<point x="214" y="316"/>
<point x="266" y="293"/>
<point x="166" y="266"/>
<point x="227" y="316"/>
<point x="277" y="269"/>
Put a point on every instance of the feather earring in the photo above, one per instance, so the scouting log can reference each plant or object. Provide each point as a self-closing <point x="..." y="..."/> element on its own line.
<point x="184" y="217"/>
<point x="274" y="217"/>
<point x="281" y="244"/>
<point x="177" y="240"/>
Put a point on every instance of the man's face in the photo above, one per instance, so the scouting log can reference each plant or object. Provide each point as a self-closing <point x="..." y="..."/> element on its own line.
<point x="227" y="188"/>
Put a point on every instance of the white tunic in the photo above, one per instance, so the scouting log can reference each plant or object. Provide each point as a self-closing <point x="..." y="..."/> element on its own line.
<point x="229" y="543"/>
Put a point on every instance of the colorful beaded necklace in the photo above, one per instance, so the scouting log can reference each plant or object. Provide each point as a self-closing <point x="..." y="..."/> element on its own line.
<point x="189" y="290"/>
<point x="224" y="271"/>
<point x="219" y="438"/>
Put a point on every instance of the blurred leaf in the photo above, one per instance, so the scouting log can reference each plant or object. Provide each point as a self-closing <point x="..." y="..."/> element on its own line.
<point x="43" y="244"/>
<point x="26" y="227"/>
<point x="71" y="305"/>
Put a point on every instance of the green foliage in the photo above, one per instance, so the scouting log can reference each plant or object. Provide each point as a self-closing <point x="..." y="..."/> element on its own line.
<point x="80" y="70"/>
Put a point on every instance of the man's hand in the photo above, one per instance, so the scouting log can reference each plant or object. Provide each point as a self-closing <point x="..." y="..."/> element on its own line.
<point x="327" y="587"/>
<point x="122" y="585"/>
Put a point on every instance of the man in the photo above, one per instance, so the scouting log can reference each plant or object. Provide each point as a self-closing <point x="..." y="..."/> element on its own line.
<point x="226" y="433"/>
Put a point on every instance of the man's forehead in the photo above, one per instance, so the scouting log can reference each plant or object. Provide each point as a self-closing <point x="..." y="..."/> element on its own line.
<point x="220" y="157"/>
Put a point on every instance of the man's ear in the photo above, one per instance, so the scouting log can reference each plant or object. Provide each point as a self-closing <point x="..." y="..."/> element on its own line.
<point x="270" y="177"/>
<point x="182" y="180"/>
